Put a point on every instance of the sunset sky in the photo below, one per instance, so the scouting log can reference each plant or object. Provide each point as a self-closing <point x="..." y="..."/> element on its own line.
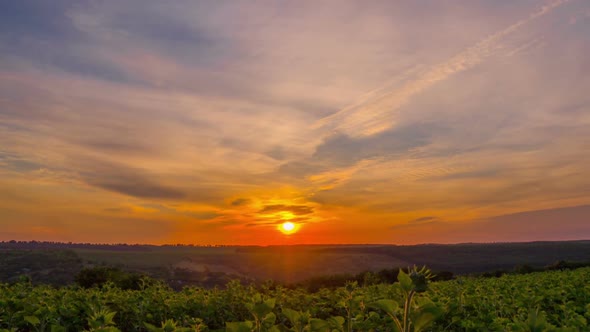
<point x="213" y="122"/>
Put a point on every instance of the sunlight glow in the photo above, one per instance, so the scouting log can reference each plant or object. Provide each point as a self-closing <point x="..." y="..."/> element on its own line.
<point x="288" y="228"/>
<point x="286" y="215"/>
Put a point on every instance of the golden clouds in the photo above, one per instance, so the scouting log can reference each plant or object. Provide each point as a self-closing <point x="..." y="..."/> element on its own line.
<point x="200" y="131"/>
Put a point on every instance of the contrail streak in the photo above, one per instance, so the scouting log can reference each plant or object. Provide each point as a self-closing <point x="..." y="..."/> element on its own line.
<point x="377" y="112"/>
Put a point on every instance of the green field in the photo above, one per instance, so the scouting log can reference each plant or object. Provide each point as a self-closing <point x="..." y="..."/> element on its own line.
<point x="547" y="301"/>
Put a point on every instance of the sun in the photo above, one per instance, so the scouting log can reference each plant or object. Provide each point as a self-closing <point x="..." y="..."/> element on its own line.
<point x="288" y="227"/>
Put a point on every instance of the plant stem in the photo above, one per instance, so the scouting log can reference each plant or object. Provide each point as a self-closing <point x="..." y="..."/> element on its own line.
<point x="407" y="311"/>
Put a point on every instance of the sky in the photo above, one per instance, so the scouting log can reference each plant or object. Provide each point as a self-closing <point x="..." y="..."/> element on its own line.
<point x="213" y="122"/>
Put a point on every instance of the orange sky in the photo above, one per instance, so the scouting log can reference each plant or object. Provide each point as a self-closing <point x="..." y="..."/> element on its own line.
<point x="211" y="123"/>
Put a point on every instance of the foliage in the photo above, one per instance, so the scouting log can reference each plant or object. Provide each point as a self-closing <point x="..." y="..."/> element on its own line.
<point x="415" y="315"/>
<point x="56" y="267"/>
<point x="99" y="276"/>
<point x="542" y="301"/>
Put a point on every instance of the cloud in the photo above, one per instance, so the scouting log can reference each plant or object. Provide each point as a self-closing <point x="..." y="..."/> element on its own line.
<point x="300" y="169"/>
<point x="16" y="164"/>
<point x="27" y="18"/>
<point x="335" y="177"/>
<point x="477" y="174"/>
<point x="420" y="225"/>
<point x="342" y="150"/>
<point x="295" y="209"/>
<point x="119" y="145"/>
<point x="203" y="114"/>
<point x="378" y="112"/>
<point x="125" y="180"/>
<point x="339" y="156"/>
<point x="277" y="153"/>
<point x="567" y="223"/>
<point x="423" y="219"/>
<point x="240" y="202"/>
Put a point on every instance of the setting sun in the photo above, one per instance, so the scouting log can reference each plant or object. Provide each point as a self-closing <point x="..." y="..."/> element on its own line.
<point x="288" y="227"/>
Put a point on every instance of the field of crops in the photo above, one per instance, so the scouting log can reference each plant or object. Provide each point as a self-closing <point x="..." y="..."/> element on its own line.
<point x="547" y="301"/>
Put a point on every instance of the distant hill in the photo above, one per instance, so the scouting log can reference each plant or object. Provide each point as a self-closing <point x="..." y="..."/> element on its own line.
<point x="57" y="263"/>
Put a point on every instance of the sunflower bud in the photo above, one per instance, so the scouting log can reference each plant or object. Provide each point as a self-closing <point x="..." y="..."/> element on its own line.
<point x="420" y="278"/>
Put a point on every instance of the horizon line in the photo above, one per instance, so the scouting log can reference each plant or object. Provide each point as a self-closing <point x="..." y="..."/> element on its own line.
<point x="12" y="241"/>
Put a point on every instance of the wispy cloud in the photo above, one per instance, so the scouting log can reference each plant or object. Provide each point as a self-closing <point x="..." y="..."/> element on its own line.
<point x="335" y="177"/>
<point x="200" y="119"/>
<point x="295" y="209"/>
<point x="378" y="111"/>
